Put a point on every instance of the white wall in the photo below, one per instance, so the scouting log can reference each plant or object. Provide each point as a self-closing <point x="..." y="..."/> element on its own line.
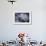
<point x="37" y="30"/>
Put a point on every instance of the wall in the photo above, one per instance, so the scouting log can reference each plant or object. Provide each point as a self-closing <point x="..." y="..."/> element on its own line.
<point x="37" y="30"/>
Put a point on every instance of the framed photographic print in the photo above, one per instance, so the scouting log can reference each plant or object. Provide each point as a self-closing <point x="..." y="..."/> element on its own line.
<point x="23" y="18"/>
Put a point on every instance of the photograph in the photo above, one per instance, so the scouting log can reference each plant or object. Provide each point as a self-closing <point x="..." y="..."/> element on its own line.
<point x="22" y="18"/>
